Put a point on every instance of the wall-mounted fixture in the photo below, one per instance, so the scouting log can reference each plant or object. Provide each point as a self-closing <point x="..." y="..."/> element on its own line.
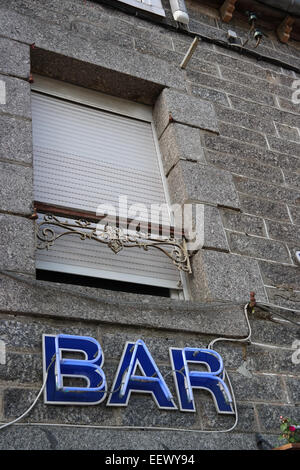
<point x="232" y="36"/>
<point x="227" y="10"/>
<point x="179" y="11"/>
<point x="256" y="33"/>
<point x="283" y="30"/>
<point x="257" y="36"/>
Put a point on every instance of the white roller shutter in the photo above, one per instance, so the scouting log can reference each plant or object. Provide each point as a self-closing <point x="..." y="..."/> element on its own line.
<point x="84" y="157"/>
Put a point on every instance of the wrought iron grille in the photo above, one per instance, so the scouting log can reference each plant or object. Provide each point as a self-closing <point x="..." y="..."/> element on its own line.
<point x="48" y="230"/>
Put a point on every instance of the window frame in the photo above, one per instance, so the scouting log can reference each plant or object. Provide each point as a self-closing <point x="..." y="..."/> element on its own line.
<point x="122" y="107"/>
<point x="143" y="5"/>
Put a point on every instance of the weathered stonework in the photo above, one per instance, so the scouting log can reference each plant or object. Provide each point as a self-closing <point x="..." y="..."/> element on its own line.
<point x="16" y="188"/>
<point x="16" y="139"/>
<point x="206" y="229"/>
<point x="228" y="134"/>
<point x="174" y="106"/>
<point x="15" y="58"/>
<point x="189" y="181"/>
<point x="17" y="244"/>
<point x="180" y="142"/>
<point x="219" y="275"/>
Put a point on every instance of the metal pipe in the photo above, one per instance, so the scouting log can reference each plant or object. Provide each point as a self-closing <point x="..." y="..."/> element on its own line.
<point x="288" y="6"/>
<point x="189" y="53"/>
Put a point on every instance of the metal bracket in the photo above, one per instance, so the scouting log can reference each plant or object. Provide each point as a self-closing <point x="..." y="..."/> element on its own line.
<point x="114" y="237"/>
<point x="285" y="28"/>
<point x="227" y="10"/>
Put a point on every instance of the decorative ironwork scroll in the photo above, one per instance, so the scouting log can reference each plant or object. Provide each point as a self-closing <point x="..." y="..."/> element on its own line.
<point x="49" y="230"/>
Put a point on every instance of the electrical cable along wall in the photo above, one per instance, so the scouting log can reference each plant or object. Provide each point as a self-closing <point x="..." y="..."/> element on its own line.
<point x="117" y="392"/>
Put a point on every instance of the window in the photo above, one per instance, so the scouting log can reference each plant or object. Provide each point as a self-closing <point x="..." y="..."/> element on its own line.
<point x="92" y="149"/>
<point x="154" y="6"/>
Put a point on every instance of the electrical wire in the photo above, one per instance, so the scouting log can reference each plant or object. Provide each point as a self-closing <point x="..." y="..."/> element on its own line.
<point x="269" y="309"/>
<point x="210" y="346"/>
<point x="247" y="339"/>
<point x="248" y="34"/>
<point x="151" y="427"/>
<point x="212" y="343"/>
<point x="170" y="26"/>
<point x="277" y="306"/>
<point x="258" y="42"/>
<point x="34" y="402"/>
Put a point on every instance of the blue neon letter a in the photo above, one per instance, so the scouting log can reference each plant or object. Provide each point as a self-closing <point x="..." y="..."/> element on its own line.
<point x="126" y="381"/>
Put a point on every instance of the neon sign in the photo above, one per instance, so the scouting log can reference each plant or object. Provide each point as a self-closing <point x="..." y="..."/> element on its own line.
<point x="137" y="372"/>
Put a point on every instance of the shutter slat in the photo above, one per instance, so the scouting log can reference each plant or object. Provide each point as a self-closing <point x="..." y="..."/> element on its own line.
<point x="75" y="165"/>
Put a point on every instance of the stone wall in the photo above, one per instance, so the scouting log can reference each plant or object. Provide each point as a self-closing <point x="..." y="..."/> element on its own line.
<point x="229" y="137"/>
